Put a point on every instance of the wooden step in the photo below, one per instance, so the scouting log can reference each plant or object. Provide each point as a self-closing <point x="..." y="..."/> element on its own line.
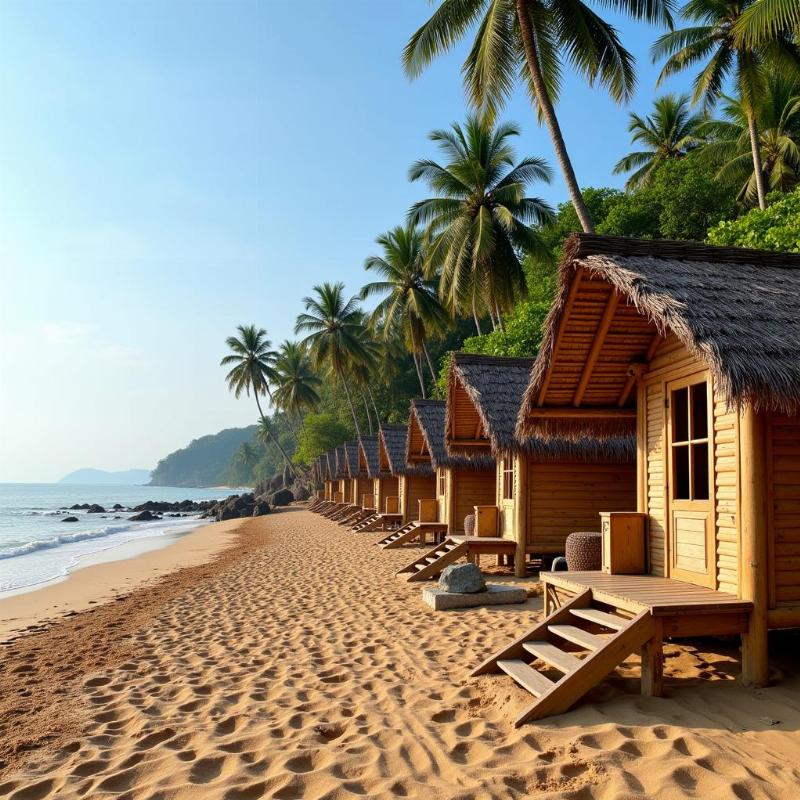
<point x="578" y="636"/>
<point x="554" y="656"/>
<point x="601" y="618"/>
<point x="526" y="676"/>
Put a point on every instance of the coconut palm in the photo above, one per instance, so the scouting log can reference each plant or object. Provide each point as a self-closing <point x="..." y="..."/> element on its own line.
<point x="480" y="223"/>
<point x="766" y="20"/>
<point x="712" y="42"/>
<point x="252" y="362"/>
<point x="298" y="384"/>
<point x="410" y="304"/>
<point x="246" y="457"/>
<point x="669" y="132"/>
<point x="335" y="334"/>
<point x="778" y="118"/>
<point x="531" y="40"/>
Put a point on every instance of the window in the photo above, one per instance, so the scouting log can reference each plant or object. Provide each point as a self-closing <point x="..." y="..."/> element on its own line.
<point x="690" y="465"/>
<point x="442" y="481"/>
<point x="508" y="478"/>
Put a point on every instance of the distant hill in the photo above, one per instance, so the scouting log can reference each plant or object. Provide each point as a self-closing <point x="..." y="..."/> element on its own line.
<point x="127" y="477"/>
<point x="203" y="462"/>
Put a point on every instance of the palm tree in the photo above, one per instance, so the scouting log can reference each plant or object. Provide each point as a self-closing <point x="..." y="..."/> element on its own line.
<point x="669" y="132"/>
<point x="246" y="458"/>
<point x="335" y="333"/>
<point x="539" y="35"/>
<point x="410" y="304"/>
<point x="480" y="224"/>
<point x="297" y="382"/>
<point x="766" y="20"/>
<point x="252" y="362"/>
<point x="778" y="118"/>
<point x="712" y="41"/>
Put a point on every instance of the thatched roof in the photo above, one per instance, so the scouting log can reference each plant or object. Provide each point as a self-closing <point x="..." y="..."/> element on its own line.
<point x="735" y="309"/>
<point x="496" y="386"/>
<point x="429" y="417"/>
<point x="393" y="439"/>
<point x="351" y="460"/>
<point x="340" y="459"/>
<point x="370" y="455"/>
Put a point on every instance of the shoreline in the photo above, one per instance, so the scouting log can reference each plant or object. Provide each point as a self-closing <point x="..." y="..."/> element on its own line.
<point x="103" y="577"/>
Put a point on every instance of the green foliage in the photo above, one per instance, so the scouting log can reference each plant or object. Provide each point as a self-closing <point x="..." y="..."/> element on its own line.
<point x="599" y="201"/>
<point x="320" y="433"/>
<point x="203" y="462"/>
<point x="682" y="201"/>
<point x="775" y="228"/>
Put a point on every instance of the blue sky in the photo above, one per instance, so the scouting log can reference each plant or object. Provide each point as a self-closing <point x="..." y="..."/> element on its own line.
<point x="171" y="169"/>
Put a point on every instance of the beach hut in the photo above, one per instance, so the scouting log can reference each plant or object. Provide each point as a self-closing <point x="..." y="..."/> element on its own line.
<point x="369" y="464"/>
<point x="390" y="475"/>
<point x="696" y="350"/>
<point x="543" y="490"/>
<point x="465" y="485"/>
<point x="359" y="486"/>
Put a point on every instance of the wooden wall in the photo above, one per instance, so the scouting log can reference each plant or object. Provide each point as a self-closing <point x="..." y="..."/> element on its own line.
<point x="672" y="361"/>
<point x="568" y="496"/>
<point x="783" y="470"/>
<point x="383" y="488"/>
<point x="470" y="488"/>
<point x="413" y="489"/>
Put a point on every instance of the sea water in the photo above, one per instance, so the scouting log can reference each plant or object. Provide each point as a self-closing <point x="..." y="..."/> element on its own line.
<point x="36" y="547"/>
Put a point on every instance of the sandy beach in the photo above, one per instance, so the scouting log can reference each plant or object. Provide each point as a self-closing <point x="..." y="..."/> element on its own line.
<point x="284" y="659"/>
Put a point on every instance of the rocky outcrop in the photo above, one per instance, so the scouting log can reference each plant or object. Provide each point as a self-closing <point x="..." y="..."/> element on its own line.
<point x="70" y="519"/>
<point x="282" y="497"/>
<point x="144" y="516"/>
<point x="261" y="507"/>
<point x="95" y="509"/>
<point x="237" y="506"/>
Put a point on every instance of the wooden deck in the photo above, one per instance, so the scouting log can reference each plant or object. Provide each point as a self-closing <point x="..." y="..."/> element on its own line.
<point x="685" y="609"/>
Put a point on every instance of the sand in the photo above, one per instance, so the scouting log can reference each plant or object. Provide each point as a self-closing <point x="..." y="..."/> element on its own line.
<point x="296" y="665"/>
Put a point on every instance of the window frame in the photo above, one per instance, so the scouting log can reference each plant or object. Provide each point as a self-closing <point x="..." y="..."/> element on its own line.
<point x="507" y="476"/>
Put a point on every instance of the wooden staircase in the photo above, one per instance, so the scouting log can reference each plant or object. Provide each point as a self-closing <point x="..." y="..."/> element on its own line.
<point x="562" y="657"/>
<point x="365" y="522"/>
<point x="354" y="517"/>
<point x="431" y="564"/>
<point x="405" y="533"/>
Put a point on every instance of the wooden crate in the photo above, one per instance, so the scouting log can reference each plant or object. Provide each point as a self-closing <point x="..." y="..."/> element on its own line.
<point x="624" y="543"/>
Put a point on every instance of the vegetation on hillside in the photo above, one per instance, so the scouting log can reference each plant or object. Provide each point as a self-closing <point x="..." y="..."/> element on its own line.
<point x="472" y="265"/>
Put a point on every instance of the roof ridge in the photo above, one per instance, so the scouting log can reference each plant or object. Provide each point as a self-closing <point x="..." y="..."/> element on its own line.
<point x="479" y="358"/>
<point x="579" y="245"/>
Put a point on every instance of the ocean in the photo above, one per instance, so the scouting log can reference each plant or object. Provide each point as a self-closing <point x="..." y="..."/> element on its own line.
<point x="36" y="547"/>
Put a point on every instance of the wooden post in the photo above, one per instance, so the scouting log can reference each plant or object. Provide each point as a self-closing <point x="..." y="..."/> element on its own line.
<point x="520" y="512"/>
<point x="653" y="662"/>
<point x="450" y="502"/>
<point x="753" y="526"/>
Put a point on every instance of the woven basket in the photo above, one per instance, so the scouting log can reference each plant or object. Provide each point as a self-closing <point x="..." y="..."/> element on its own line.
<point x="469" y="525"/>
<point x="584" y="551"/>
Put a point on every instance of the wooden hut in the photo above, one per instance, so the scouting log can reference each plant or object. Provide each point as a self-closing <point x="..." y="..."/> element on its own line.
<point x="543" y="490"/>
<point x="359" y="487"/>
<point x="465" y="484"/>
<point x="696" y="350"/>
<point x="384" y="512"/>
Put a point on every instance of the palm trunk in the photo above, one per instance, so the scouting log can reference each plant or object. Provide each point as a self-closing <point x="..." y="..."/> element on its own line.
<point x="500" y="320"/>
<point x="374" y="406"/>
<point x="419" y="374"/>
<point x="288" y="420"/>
<point x="417" y="362"/>
<point x="272" y="434"/>
<point x="366" y="410"/>
<point x="428" y="359"/>
<point x="475" y="316"/>
<point x="550" y="118"/>
<point x="350" y="402"/>
<point x="758" y="167"/>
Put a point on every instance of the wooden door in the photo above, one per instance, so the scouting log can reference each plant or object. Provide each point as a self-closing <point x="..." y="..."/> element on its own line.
<point x="690" y="426"/>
